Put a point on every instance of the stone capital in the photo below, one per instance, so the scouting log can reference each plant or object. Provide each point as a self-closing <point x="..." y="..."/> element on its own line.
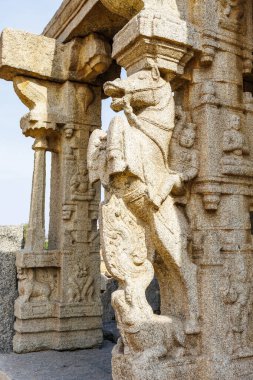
<point x="52" y="104"/>
<point x="157" y="36"/>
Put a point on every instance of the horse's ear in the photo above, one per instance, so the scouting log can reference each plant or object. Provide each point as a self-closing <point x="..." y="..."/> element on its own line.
<point x="155" y="72"/>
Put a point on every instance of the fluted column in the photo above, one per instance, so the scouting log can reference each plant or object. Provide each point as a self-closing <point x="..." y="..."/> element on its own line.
<point x="36" y="230"/>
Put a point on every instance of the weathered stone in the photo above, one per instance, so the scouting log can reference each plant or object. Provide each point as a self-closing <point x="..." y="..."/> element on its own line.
<point x="59" y="287"/>
<point x="135" y="214"/>
<point x="145" y="210"/>
<point x="134" y="45"/>
<point x="11" y="240"/>
<point x="80" y="60"/>
<point x="177" y="171"/>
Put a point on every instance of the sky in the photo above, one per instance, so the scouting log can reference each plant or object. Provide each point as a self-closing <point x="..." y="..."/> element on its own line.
<point x="16" y="155"/>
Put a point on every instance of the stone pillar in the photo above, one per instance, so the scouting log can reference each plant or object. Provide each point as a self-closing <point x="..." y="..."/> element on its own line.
<point x="35" y="238"/>
<point x="66" y="276"/>
<point x="59" y="303"/>
<point x="205" y="51"/>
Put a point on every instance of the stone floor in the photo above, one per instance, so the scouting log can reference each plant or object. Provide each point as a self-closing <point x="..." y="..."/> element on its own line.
<point x="51" y="365"/>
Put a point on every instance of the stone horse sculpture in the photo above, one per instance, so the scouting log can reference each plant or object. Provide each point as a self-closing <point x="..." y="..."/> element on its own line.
<point x="131" y="160"/>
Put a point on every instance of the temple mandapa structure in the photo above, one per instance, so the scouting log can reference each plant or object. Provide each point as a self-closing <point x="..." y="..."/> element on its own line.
<point x="177" y="169"/>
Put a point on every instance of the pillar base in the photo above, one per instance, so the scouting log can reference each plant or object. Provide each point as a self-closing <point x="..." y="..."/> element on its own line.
<point x="201" y="368"/>
<point x="52" y="334"/>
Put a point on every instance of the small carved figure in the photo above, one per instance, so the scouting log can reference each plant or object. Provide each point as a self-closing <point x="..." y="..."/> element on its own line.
<point x="234" y="9"/>
<point x="81" y="285"/>
<point x="69" y="131"/>
<point x="29" y="287"/>
<point x="235" y="147"/>
<point x="208" y="93"/>
<point x="234" y="141"/>
<point x="185" y="159"/>
<point x="80" y="181"/>
<point x="236" y="294"/>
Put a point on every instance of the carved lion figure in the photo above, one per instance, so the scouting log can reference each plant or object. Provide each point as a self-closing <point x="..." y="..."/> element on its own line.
<point x="29" y="287"/>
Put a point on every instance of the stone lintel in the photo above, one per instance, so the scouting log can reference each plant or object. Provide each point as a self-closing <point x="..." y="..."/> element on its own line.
<point x="82" y="59"/>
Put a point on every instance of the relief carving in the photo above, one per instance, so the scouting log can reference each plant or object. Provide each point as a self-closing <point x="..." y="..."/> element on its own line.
<point x="144" y="335"/>
<point x="208" y="95"/>
<point x="29" y="288"/>
<point x="79" y="184"/>
<point x="80" y="285"/>
<point x="233" y="13"/>
<point x="184" y="157"/>
<point x="233" y="9"/>
<point x="67" y="212"/>
<point x="236" y="295"/>
<point x="137" y="174"/>
<point x="236" y="150"/>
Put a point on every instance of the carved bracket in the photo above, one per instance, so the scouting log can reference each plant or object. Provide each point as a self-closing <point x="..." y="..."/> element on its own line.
<point x="79" y="60"/>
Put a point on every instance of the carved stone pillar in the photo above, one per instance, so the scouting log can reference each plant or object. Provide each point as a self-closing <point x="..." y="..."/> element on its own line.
<point x="197" y="199"/>
<point x="143" y="220"/>
<point x="59" y="303"/>
<point x="35" y="235"/>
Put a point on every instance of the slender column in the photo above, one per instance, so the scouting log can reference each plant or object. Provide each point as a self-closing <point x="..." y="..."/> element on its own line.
<point x="36" y="231"/>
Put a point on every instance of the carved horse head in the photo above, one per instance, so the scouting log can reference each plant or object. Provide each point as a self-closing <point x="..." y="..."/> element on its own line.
<point x="151" y="99"/>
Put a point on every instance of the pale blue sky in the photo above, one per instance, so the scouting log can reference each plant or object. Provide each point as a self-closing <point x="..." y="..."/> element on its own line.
<point x="16" y="155"/>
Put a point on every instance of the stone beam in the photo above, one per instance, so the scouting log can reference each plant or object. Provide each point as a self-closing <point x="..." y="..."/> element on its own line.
<point x="82" y="59"/>
<point x="77" y="18"/>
